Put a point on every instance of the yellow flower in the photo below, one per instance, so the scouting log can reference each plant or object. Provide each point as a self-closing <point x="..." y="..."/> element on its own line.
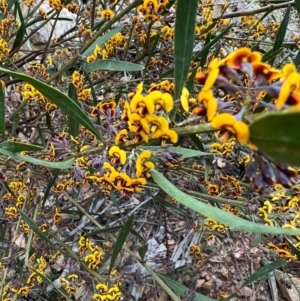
<point x="210" y="103"/>
<point x="213" y="69"/>
<point x="166" y="135"/>
<point x="139" y="125"/>
<point x="119" y="156"/>
<point x="142" y="105"/>
<point x="121" y="136"/>
<point x="134" y="184"/>
<point x="160" y="99"/>
<point x="290" y="91"/>
<point x="156" y="123"/>
<point x="107" y="14"/>
<point x="185" y="99"/>
<point x="265" y="73"/>
<point x="241" y="56"/>
<point x="142" y="166"/>
<point x="227" y="122"/>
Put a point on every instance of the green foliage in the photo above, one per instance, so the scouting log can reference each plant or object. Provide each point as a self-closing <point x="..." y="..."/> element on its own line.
<point x="213" y="212"/>
<point x="184" y="35"/>
<point x="277" y="135"/>
<point x="111" y="146"/>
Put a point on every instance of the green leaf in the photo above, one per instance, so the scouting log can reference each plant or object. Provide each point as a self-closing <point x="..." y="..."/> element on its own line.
<point x="197" y="142"/>
<point x="262" y="272"/>
<point x="57" y="165"/>
<point x="297" y="58"/>
<point x="184" y="38"/>
<point x="58" y="98"/>
<point x="282" y="30"/>
<point x="171" y="207"/>
<point x="270" y="55"/>
<point x="181" y="289"/>
<point x="185" y="152"/>
<point x="16" y="147"/>
<point x="297" y="5"/>
<point x="111" y="65"/>
<point x="51" y="182"/>
<point x="152" y="49"/>
<point x="73" y="123"/>
<point x="213" y="212"/>
<point x="143" y="250"/>
<point x="2" y="113"/>
<point x="295" y="250"/>
<point x="102" y="39"/>
<point x="120" y="241"/>
<point x="277" y="135"/>
<point x="22" y="29"/>
<point x="205" y="53"/>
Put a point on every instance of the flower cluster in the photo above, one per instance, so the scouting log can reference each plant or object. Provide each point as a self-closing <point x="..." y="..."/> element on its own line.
<point x="146" y="115"/>
<point x="127" y="175"/>
<point x="108" y="48"/>
<point x="107" y="293"/>
<point x="151" y="9"/>
<point x="82" y="93"/>
<point x="197" y="255"/>
<point x="58" y="5"/>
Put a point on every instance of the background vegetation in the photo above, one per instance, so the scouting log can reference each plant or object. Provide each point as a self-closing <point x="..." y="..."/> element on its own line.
<point x="149" y="149"/>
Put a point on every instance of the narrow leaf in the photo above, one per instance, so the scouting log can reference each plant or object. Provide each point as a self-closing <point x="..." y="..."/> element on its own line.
<point x="172" y="207"/>
<point x="277" y="135"/>
<point x="50" y="184"/>
<point x="297" y="58"/>
<point x="111" y="65"/>
<point x="297" y="5"/>
<point x="2" y="113"/>
<point x="262" y="272"/>
<point x="213" y="212"/>
<point x="282" y="30"/>
<point x="197" y="142"/>
<point x="17" y="147"/>
<point x="152" y="49"/>
<point x="185" y="152"/>
<point x="57" y="165"/>
<point x="73" y="123"/>
<point x="184" y="38"/>
<point x="120" y="241"/>
<point x="143" y="250"/>
<point x="102" y="39"/>
<point x="181" y="289"/>
<point x="19" y="37"/>
<point x="58" y="98"/>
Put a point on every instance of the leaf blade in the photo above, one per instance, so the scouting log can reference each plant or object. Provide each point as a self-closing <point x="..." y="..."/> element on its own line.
<point x="214" y="212"/>
<point x="56" y="165"/>
<point x="111" y="65"/>
<point x="186" y="12"/>
<point x="120" y="241"/>
<point x="276" y="134"/>
<point x="58" y="98"/>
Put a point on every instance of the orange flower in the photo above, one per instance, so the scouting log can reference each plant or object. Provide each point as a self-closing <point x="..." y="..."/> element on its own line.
<point x="210" y="103"/>
<point x="241" y="56"/>
<point x="107" y="14"/>
<point x="227" y="122"/>
<point x="289" y="92"/>
<point x="119" y="156"/>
